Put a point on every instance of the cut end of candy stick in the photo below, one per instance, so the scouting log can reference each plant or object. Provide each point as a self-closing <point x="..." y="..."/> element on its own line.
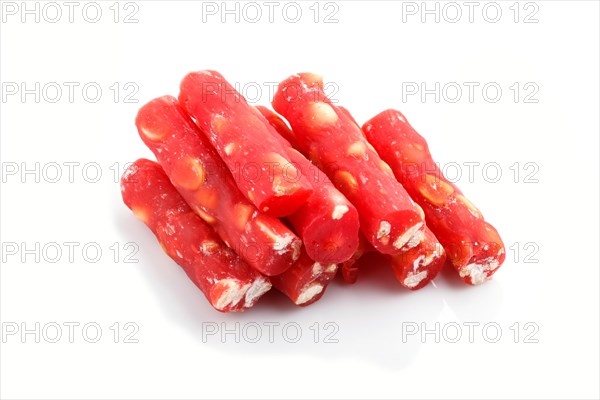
<point x="413" y="279"/>
<point x="152" y="129"/>
<point x="314" y="289"/>
<point x="392" y="233"/>
<point x="487" y="255"/>
<point x="309" y="293"/>
<point x="259" y="287"/>
<point x="478" y="272"/>
<point x="411" y="237"/>
<point x="141" y="213"/>
<point x="227" y="293"/>
<point x="415" y="267"/>
<point x="233" y="295"/>
<point x="305" y="282"/>
<point x="278" y="247"/>
<point x="334" y="237"/>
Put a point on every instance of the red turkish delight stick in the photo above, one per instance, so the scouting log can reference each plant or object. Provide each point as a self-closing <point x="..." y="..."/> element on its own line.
<point x="305" y="282"/>
<point x="420" y="262"/>
<point x="472" y="245"/>
<point x="206" y="184"/>
<point x="345" y="111"/>
<point x="228" y="283"/>
<point x="333" y="141"/>
<point x="349" y="268"/>
<point x="245" y="141"/>
<point x="327" y="223"/>
<point x="280" y="126"/>
<point x="418" y="265"/>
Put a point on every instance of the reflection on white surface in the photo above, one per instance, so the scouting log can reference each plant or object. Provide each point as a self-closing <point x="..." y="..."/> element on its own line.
<point x="364" y="321"/>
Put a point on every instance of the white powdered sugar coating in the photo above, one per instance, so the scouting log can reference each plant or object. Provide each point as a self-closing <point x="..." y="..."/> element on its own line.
<point x="281" y="244"/>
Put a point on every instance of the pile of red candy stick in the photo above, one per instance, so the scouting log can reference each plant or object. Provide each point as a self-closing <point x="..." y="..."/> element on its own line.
<point x="243" y="202"/>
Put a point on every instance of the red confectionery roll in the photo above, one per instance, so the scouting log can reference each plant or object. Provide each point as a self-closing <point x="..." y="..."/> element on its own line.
<point x="345" y="111"/>
<point x="333" y="141"/>
<point x="245" y="141"/>
<point x="305" y="282"/>
<point x="420" y="263"/>
<point x="473" y="246"/>
<point x="228" y="283"/>
<point x="280" y="126"/>
<point x="198" y="173"/>
<point x="327" y="222"/>
<point x="348" y="268"/>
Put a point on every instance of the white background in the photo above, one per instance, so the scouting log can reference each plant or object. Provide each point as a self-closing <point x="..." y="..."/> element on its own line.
<point x="370" y="55"/>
